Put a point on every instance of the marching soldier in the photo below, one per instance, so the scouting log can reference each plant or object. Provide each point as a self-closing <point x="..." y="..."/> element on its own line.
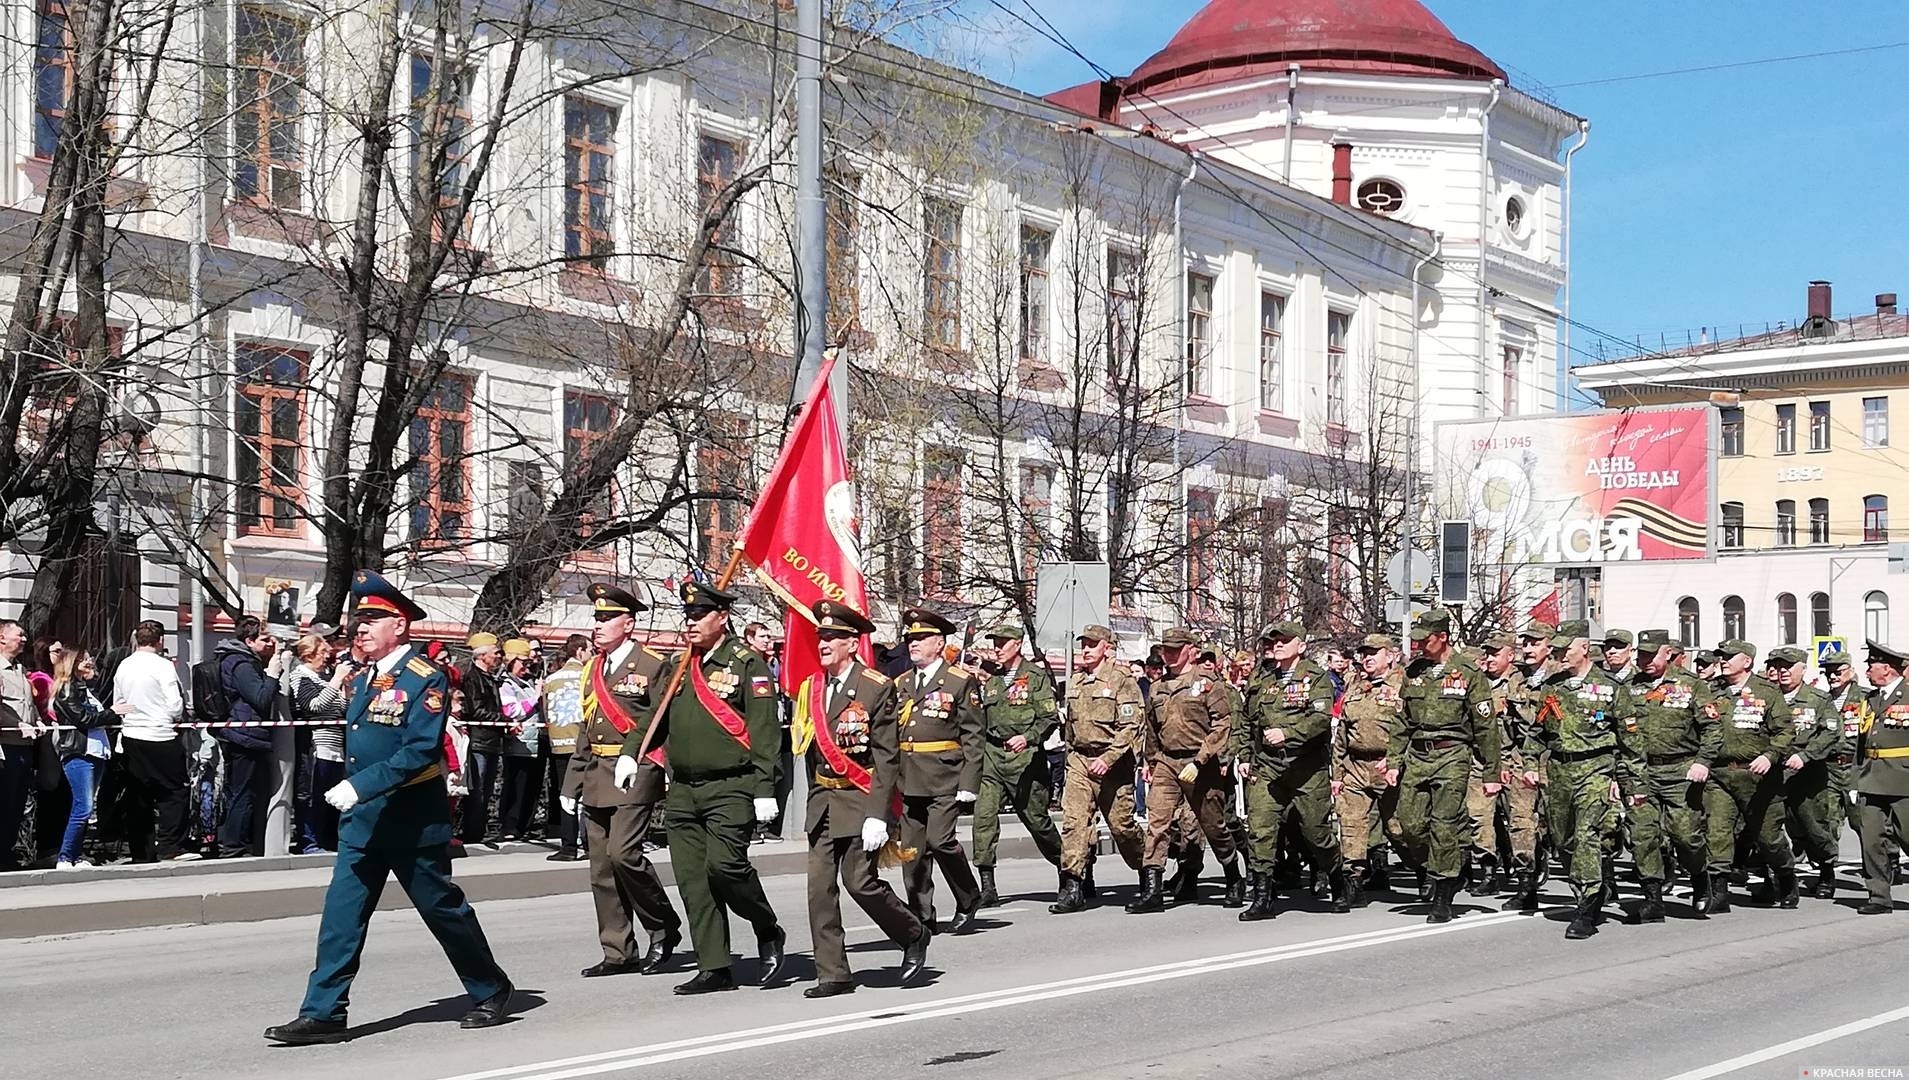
<point x="1188" y="723"/>
<point x="1620" y="656"/>
<point x="1882" y="775"/>
<point x="1744" y="794"/>
<point x="1283" y="754"/>
<point x="723" y="745"/>
<point x="1811" y="812"/>
<point x="1524" y="814"/>
<point x="845" y="722"/>
<point x="1019" y="710"/>
<point x="1577" y="723"/>
<point x="621" y="685"/>
<point x="1369" y="719"/>
<point x="940" y="767"/>
<point x="1851" y="705"/>
<point x="1496" y="660"/>
<point x="1104" y="706"/>
<point x="396" y="822"/>
<point x="1676" y="732"/>
<point x="1449" y="723"/>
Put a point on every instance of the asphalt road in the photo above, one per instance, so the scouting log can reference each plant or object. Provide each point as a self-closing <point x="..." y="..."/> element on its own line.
<point x="1188" y="993"/>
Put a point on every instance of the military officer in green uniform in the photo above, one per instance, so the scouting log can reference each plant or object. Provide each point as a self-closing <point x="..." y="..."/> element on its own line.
<point x="1881" y="782"/>
<point x="1449" y="723"/>
<point x="621" y="685"/>
<point x="723" y="744"/>
<point x="1282" y="751"/>
<point x="1674" y="729"/>
<point x="396" y="823"/>
<point x="1744" y="793"/>
<point x="1851" y="704"/>
<point x="1810" y="811"/>
<point x="1581" y="711"/>
<point x="1019" y="711"/>
<point x="846" y="722"/>
<point x="940" y="766"/>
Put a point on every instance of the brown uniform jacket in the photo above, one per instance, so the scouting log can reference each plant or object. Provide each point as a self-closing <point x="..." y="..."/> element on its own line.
<point x="1104" y="706"/>
<point x="940" y="731"/>
<point x="862" y="722"/>
<point x="1369" y="716"/>
<point x="637" y="684"/>
<point x="1190" y="718"/>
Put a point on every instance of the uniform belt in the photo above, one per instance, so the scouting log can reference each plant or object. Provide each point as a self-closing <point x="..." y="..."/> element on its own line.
<point x="1568" y="756"/>
<point x="1667" y="759"/>
<point x="938" y="746"/>
<point x="606" y="749"/>
<point x="1367" y="755"/>
<point x="715" y="774"/>
<point x="1090" y="750"/>
<point x="430" y="773"/>
<point x="1888" y="752"/>
<point x="1841" y="760"/>
<point x="1439" y="744"/>
<point x="834" y="783"/>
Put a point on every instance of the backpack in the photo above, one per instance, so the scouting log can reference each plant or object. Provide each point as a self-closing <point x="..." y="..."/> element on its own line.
<point x="209" y="701"/>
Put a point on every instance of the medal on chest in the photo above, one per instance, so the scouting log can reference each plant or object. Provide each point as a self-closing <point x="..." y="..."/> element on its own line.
<point x="1017" y="691"/>
<point x="1453" y="685"/>
<point x="1747" y="713"/>
<point x="387" y="707"/>
<point x="852" y="728"/>
<point x="724" y="682"/>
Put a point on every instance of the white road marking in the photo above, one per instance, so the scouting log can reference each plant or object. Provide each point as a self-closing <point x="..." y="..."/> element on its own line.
<point x="1754" y="1057"/>
<point x="637" y="1057"/>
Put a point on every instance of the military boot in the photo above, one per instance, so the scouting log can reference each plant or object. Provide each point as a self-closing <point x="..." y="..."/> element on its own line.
<point x="1150" y="898"/>
<point x="1485" y="880"/>
<point x="1825" y="882"/>
<point x="1235" y="885"/>
<point x="1584" y="923"/>
<point x="1525" y="896"/>
<point x="1652" y="909"/>
<point x="989" y="897"/>
<point x="1787" y="894"/>
<point x="1718" y="902"/>
<point x="1424" y="887"/>
<point x="1767" y="892"/>
<point x="1699" y="888"/>
<point x="1185" y="886"/>
<point x="1378" y="875"/>
<point x="1070" y="899"/>
<point x="1087" y="884"/>
<point x="1443" y="890"/>
<point x="1262" y="905"/>
<point x="1345" y="891"/>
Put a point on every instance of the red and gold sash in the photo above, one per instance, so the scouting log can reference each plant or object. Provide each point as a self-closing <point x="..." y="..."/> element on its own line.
<point x="838" y="761"/>
<point x="609" y="708"/>
<point x="727" y="717"/>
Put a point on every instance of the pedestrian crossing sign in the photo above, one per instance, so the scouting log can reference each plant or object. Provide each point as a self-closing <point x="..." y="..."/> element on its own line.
<point x="1823" y="644"/>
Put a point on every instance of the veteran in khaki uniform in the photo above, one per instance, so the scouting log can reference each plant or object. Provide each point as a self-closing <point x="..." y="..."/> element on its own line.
<point x="1282" y="749"/>
<point x="1524" y="792"/>
<point x="1020" y="709"/>
<point x="846" y="723"/>
<point x="1495" y="659"/>
<point x="1851" y="704"/>
<point x="1882" y="775"/>
<point x="1104" y="707"/>
<point x="940" y="766"/>
<point x="1189" y="724"/>
<point x="621" y="685"/>
<point x="1370" y="715"/>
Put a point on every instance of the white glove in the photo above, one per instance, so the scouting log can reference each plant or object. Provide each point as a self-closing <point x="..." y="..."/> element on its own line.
<point x="342" y="796"/>
<point x="626" y="767"/>
<point x="964" y="796"/>
<point x="766" y="809"/>
<point x="569" y="804"/>
<point x="874" y="834"/>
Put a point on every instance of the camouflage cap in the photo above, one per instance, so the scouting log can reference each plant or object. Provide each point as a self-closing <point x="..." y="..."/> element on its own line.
<point x="1596" y="649"/>
<point x="1787" y="656"/>
<point x="1179" y="635"/>
<point x="1500" y="640"/>
<point x="1539" y="630"/>
<point x="1435" y="621"/>
<point x="1096" y="632"/>
<point x="1574" y="628"/>
<point x="1652" y="640"/>
<point x="1833" y="658"/>
<point x="1284" y="628"/>
<point x="1618" y="637"/>
<point x="1735" y="647"/>
<point x="1007" y="631"/>
<point x="1375" y="642"/>
<point x="1707" y="657"/>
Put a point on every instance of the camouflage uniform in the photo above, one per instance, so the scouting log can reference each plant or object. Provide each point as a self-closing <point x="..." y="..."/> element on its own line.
<point x="1675" y="726"/>
<point x="1756" y="723"/>
<point x="1577" y="723"/>
<point x="1291" y="782"/>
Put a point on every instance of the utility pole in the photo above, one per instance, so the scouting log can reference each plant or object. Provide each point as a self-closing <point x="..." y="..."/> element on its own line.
<point x="812" y="309"/>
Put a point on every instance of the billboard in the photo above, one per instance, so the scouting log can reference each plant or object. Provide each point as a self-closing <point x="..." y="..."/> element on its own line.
<point x="1619" y="486"/>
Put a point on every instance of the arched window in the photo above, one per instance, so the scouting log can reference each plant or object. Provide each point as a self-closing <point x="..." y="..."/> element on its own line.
<point x="1689" y="623"/>
<point x="1876" y="616"/>
<point x="1786" y="618"/>
<point x="1875" y="519"/>
<point x="1733" y="617"/>
<point x="1733" y="524"/>
<point x="1819" y="521"/>
<point x="1819" y="614"/>
<point x="1786" y="522"/>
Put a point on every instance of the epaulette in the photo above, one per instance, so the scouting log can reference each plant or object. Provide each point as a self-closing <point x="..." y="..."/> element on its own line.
<point x="418" y="665"/>
<point x="653" y="654"/>
<point x="959" y="671"/>
<point x="875" y="677"/>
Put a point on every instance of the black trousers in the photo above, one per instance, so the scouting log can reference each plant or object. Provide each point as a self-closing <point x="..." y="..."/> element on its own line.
<point x="247" y="772"/>
<point x="517" y="803"/>
<point x="480" y="773"/>
<point x="156" y="798"/>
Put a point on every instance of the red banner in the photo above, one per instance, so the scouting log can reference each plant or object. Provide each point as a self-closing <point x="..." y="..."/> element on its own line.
<point x="801" y="535"/>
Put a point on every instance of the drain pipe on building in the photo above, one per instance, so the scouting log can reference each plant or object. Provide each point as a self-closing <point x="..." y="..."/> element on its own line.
<point x="1406" y="511"/>
<point x="1484" y="231"/>
<point x="1564" y="256"/>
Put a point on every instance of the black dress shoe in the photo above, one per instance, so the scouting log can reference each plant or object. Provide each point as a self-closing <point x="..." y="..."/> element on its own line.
<point x="914" y="956"/>
<point x="563" y="856"/>
<point x="707" y="982"/>
<point x="612" y="967"/>
<point x="829" y="989"/>
<point x="305" y="1031"/>
<point x="769" y="951"/>
<point x="962" y="921"/>
<point x="1870" y="908"/>
<point x="661" y="949"/>
<point x="489" y="1012"/>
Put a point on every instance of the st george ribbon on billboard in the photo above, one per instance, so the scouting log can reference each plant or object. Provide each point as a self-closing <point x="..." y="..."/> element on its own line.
<point x="1612" y="486"/>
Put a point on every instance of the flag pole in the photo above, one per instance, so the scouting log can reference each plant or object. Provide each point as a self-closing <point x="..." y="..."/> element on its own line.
<point x="683" y="661"/>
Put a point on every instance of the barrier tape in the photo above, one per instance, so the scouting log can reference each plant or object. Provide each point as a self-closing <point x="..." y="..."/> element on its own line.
<point x="201" y="725"/>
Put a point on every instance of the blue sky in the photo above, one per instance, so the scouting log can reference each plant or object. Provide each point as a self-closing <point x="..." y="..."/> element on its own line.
<point x="1704" y="199"/>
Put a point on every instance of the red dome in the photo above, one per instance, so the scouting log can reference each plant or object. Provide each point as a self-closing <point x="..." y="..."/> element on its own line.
<point x="1235" y="39"/>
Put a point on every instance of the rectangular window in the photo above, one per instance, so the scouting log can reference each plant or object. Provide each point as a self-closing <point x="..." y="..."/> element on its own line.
<point x="269" y="418"/>
<point x="1876" y="519"/>
<point x="1272" y="363"/>
<point x="941" y="532"/>
<point x="52" y="77"/>
<point x="1819" y="425"/>
<point x="1037" y="504"/>
<point x="1786" y="522"/>
<point x="1786" y="429"/>
<point x="441" y="476"/>
<point x="1730" y="432"/>
<point x="1202" y="569"/>
<point x="1512" y="358"/>
<point x="1819" y="521"/>
<point x="587" y="419"/>
<point x="1733" y="525"/>
<point x="896" y="539"/>
<point x="589" y="187"/>
<point x="525" y="504"/>
<point x="1037" y="246"/>
<point x="1199" y="335"/>
<point x="1875" y="421"/>
<point x="1123" y="274"/>
<point x="716" y="163"/>
<point x="941" y="273"/>
<point x="844" y="250"/>
<point x="1338" y="333"/>
<point x="268" y="148"/>
<point x="441" y="111"/>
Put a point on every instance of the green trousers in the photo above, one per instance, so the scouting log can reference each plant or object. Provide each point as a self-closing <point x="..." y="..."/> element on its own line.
<point x="1578" y="813"/>
<point x="1813" y="813"/>
<point x="1670" y="820"/>
<point x="1300" y="794"/>
<point x="1434" y="827"/>
<point x="1737" y="800"/>
<point x="710" y="824"/>
<point x="1883" y="822"/>
<point x="1025" y="776"/>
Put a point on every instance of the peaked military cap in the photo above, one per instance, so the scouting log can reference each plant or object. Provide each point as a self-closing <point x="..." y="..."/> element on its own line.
<point x="705" y="596"/>
<point x="1653" y="640"/>
<point x="1007" y="631"/>
<point x="1096" y="632"/>
<point x="1880" y="652"/>
<point x="609" y="600"/>
<point x="518" y="649"/>
<point x="1707" y="657"/>
<point x="1787" y="656"/>
<point x="1735" y="647"/>
<point x="841" y="618"/>
<point x="1284" y="628"/>
<point x="372" y="595"/>
<point x="917" y="621"/>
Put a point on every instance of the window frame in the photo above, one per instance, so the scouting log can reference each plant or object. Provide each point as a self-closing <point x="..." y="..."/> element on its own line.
<point x="1337" y="365"/>
<point x="1731" y="526"/>
<point x="1786" y="618"/>
<point x="1198" y="371"/>
<point x="1786" y="523"/>
<point x="1202" y="525"/>
<point x="1512" y="358"/>
<point x="457" y="137"/>
<point x="428" y="494"/>
<point x="941" y="270"/>
<point x="1689" y="622"/>
<point x="1122" y="300"/>
<point x="1819" y="426"/>
<point x="1736" y="618"/>
<point x="1876" y="519"/>
<point x="50" y="120"/>
<point x="1272" y="352"/>
<point x="1786" y="428"/>
<point x="269" y="489"/>
<point x="1730" y="425"/>
<point x="252" y="86"/>
<point x="1036" y="297"/>
<point x="1821" y="619"/>
<point x="841" y="195"/>
<point x="719" y="158"/>
<point x="595" y="246"/>
<point x="1819" y="524"/>
<point x="1876" y="603"/>
<point x="942" y="557"/>
<point x="1878" y="420"/>
<point x="579" y="440"/>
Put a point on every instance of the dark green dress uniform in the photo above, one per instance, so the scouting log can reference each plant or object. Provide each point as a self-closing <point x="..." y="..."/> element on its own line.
<point x="1756" y="723"/>
<point x="401" y="825"/>
<point x="714" y="782"/>
<point x="622" y="878"/>
<point x="1675" y="725"/>
<point x="1576" y="730"/>
<point x="1019" y="701"/>
<point x="1851" y="703"/>
<point x="857" y="714"/>
<point x="1291" y="782"/>
<point x="1810" y="812"/>
<point x="940" y="757"/>
<point x="1882" y="781"/>
<point x="1450" y="720"/>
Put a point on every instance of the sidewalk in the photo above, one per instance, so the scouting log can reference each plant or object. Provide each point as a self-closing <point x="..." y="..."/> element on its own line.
<point x="37" y="903"/>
